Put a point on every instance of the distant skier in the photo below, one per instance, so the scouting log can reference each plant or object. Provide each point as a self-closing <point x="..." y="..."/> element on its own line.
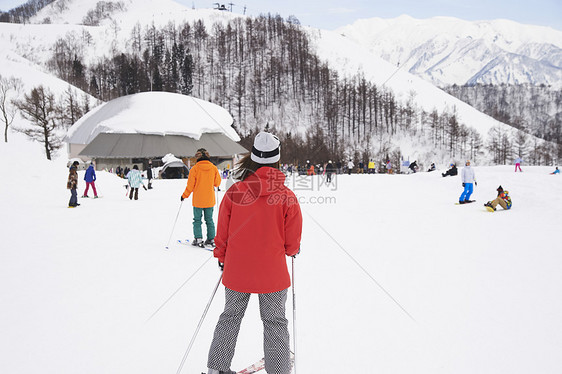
<point x="203" y="177"/>
<point x="432" y="167"/>
<point x="414" y="166"/>
<point x="90" y="179"/>
<point x="556" y="171"/>
<point x="452" y="171"/>
<point x="260" y="223"/>
<point x="350" y="166"/>
<point x="518" y="162"/>
<point x="310" y="170"/>
<point x="330" y="169"/>
<point x="468" y="179"/>
<point x="503" y="199"/>
<point x="135" y="181"/>
<point x="72" y="185"/>
<point x="149" y="174"/>
<point x="388" y="167"/>
<point x="371" y="167"/>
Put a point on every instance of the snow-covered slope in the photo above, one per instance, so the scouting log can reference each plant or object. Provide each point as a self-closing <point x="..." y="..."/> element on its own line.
<point x="79" y="286"/>
<point x="18" y="65"/>
<point x="446" y="50"/>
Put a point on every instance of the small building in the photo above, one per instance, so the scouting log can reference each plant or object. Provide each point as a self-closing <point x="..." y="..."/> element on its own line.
<point x="134" y="129"/>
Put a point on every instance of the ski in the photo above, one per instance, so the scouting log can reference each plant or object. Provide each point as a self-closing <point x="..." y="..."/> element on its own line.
<point x="260" y="365"/>
<point x="186" y="242"/>
<point x="466" y="202"/>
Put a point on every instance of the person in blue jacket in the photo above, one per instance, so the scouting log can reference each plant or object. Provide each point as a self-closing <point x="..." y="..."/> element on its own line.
<point x="90" y="178"/>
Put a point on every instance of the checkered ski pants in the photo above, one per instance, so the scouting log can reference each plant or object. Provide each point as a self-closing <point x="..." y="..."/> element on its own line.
<point x="275" y="331"/>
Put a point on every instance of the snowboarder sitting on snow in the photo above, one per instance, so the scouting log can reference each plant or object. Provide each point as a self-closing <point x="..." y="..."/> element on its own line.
<point x="557" y="171"/>
<point x="503" y="199"/>
<point x="432" y="167"/>
<point x="452" y="171"/>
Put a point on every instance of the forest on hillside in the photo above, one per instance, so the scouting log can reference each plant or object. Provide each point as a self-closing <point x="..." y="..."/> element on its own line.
<point x="22" y="13"/>
<point x="536" y="110"/>
<point x="265" y="72"/>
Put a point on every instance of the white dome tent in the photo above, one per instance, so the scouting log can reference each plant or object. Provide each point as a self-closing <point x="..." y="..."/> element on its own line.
<point x="150" y="125"/>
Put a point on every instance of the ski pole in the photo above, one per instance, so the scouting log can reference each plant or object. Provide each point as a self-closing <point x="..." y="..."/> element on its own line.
<point x="199" y="326"/>
<point x="294" y="317"/>
<point x="174" y="225"/>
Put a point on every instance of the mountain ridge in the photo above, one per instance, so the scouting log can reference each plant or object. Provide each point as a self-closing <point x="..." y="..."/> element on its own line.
<point x="448" y="50"/>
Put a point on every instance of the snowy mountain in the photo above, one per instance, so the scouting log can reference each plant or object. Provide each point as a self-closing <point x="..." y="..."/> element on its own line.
<point x="95" y="29"/>
<point x="446" y="50"/>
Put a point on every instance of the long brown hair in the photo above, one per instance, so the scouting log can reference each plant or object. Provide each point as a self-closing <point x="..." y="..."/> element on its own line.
<point x="246" y="167"/>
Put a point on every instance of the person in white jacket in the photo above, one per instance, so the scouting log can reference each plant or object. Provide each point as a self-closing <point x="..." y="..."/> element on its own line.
<point x="468" y="181"/>
<point x="350" y="166"/>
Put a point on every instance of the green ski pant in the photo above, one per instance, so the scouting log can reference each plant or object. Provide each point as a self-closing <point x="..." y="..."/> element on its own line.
<point x="197" y="215"/>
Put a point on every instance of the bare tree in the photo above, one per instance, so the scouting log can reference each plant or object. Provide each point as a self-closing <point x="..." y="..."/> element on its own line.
<point x="9" y="87"/>
<point x="521" y="144"/>
<point x="40" y="108"/>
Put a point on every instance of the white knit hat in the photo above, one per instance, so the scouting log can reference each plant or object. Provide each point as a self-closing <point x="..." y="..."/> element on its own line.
<point x="266" y="149"/>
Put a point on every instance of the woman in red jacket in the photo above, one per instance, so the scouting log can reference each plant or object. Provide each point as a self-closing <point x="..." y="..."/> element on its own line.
<point x="259" y="224"/>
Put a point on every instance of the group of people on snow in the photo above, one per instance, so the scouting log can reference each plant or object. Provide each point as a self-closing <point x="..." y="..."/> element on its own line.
<point x="72" y="183"/>
<point x="468" y="179"/>
<point x="259" y="225"/>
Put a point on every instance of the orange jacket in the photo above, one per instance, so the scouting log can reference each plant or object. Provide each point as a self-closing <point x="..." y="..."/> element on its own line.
<point x="202" y="178"/>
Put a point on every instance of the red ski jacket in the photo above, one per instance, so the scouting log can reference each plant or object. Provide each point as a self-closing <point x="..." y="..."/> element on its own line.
<point x="260" y="222"/>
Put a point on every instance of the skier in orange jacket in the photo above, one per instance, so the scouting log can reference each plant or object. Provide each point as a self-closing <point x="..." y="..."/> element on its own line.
<point x="203" y="177"/>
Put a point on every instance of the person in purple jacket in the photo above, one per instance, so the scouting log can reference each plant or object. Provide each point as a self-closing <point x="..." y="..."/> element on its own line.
<point x="90" y="178"/>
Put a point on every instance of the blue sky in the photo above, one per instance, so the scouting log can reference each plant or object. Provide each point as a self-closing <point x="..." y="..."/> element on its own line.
<point x="330" y="14"/>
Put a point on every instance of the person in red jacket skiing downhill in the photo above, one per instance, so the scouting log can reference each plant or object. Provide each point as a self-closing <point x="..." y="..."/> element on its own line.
<point x="259" y="224"/>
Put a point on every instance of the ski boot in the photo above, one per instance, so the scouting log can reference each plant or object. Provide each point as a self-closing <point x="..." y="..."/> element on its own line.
<point x="210" y="243"/>
<point x="197" y="242"/>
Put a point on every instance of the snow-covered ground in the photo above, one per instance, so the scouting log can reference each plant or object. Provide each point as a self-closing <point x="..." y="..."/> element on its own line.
<point x="79" y="286"/>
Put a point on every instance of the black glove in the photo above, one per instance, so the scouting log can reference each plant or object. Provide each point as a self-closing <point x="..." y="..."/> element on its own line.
<point x="181" y="197"/>
<point x="221" y="265"/>
<point x="463" y="184"/>
<point x="295" y="256"/>
<point x="476" y="184"/>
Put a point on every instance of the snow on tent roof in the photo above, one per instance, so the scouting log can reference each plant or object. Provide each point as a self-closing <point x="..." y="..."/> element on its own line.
<point x="155" y="113"/>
